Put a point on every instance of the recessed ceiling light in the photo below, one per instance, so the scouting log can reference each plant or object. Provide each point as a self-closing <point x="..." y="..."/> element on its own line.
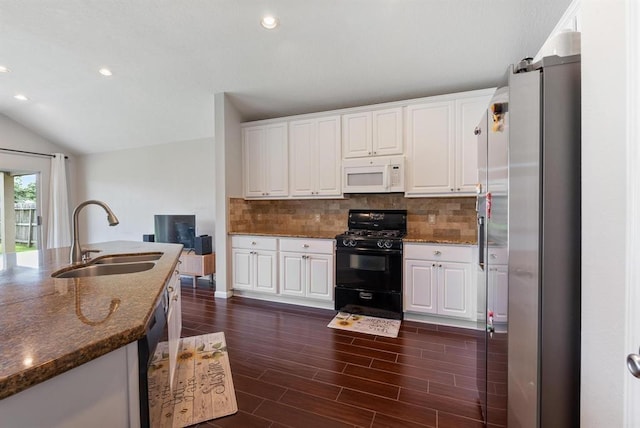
<point x="269" y="22"/>
<point x="21" y="97"/>
<point x="105" y="72"/>
<point x="3" y="69"/>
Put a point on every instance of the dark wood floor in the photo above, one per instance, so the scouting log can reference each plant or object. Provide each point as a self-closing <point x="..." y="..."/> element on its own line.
<point x="290" y="370"/>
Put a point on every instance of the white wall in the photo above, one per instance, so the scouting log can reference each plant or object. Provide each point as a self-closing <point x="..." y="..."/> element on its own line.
<point x="175" y="178"/>
<point x="17" y="137"/>
<point x="604" y="90"/>
<point x="228" y="183"/>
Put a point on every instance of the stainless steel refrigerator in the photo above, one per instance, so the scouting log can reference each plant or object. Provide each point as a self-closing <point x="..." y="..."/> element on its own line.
<point x="529" y="220"/>
<point x="544" y="244"/>
<point x="492" y="210"/>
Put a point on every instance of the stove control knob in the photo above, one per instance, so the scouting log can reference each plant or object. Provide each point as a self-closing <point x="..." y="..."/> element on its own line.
<point x="388" y="244"/>
<point x="380" y="244"/>
<point x="349" y="242"/>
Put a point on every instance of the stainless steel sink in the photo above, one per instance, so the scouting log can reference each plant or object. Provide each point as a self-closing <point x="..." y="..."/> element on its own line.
<point x="127" y="258"/>
<point x="104" y="269"/>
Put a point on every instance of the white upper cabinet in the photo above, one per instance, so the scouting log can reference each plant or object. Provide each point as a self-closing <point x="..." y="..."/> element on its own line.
<point x="315" y="157"/>
<point x="430" y="148"/>
<point x="441" y="144"/>
<point x="372" y="133"/>
<point x="265" y="161"/>
<point x="469" y="111"/>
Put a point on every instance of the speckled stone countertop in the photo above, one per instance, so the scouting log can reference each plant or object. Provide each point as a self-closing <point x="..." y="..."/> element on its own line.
<point x="416" y="238"/>
<point x="51" y="325"/>
<point x="292" y="234"/>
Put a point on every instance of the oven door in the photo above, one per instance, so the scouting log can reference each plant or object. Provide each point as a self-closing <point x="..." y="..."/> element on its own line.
<point x="369" y="269"/>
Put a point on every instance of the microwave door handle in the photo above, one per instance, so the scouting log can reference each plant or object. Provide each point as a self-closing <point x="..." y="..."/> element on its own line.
<point x="386" y="176"/>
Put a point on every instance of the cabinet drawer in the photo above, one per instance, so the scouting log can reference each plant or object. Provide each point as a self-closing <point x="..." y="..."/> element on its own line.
<point x="324" y="246"/>
<point x="448" y="253"/>
<point x="254" y="242"/>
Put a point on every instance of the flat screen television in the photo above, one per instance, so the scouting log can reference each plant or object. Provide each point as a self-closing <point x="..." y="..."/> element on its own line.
<point x="175" y="229"/>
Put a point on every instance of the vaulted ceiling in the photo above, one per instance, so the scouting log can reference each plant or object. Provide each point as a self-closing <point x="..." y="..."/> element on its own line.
<point x="169" y="57"/>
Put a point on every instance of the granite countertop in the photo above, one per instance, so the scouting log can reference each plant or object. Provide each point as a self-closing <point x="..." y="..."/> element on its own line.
<point x="413" y="237"/>
<point x="417" y="238"/>
<point x="292" y="234"/>
<point x="51" y="325"/>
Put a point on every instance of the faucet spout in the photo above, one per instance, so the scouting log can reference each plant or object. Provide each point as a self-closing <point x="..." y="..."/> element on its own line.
<point x="76" y="253"/>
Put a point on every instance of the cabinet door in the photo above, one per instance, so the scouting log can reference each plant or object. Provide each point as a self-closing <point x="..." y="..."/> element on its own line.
<point x="320" y="274"/>
<point x="420" y="290"/>
<point x="292" y="274"/>
<point x="254" y="175"/>
<point x="454" y="294"/>
<point x="387" y="132"/>
<point x="303" y="163"/>
<point x="266" y="272"/>
<point x="174" y="325"/>
<point x="275" y="161"/>
<point x="356" y="135"/>
<point x="242" y="268"/>
<point x="430" y="148"/>
<point x="498" y="293"/>
<point x="469" y="111"/>
<point x="328" y="157"/>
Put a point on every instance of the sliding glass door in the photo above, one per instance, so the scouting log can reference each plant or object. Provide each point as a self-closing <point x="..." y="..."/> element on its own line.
<point x="20" y="218"/>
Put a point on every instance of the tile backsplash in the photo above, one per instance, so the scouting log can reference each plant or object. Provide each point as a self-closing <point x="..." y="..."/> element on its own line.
<point x="454" y="218"/>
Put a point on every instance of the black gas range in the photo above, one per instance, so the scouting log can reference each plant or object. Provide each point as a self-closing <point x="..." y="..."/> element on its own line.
<point x="369" y="263"/>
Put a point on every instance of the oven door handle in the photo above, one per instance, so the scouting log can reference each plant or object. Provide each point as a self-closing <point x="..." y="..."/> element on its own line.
<point x="364" y="295"/>
<point x="375" y="252"/>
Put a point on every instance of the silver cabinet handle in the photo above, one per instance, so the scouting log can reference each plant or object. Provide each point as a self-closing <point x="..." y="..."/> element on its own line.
<point x="633" y="364"/>
<point x="170" y="289"/>
<point x="437" y="253"/>
<point x="493" y="256"/>
<point x="253" y="243"/>
<point x="477" y="131"/>
<point x="305" y="246"/>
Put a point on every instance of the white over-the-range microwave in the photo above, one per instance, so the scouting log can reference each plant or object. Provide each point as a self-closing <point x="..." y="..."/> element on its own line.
<point x="380" y="174"/>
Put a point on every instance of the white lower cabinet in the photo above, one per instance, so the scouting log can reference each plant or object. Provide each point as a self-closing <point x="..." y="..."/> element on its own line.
<point x="306" y="268"/>
<point x="498" y="299"/>
<point x="438" y="280"/>
<point x="174" y="323"/>
<point x="254" y="263"/>
<point x="286" y="267"/>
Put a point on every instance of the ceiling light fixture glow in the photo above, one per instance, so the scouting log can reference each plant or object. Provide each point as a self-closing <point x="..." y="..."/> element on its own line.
<point x="269" y="22"/>
<point x="3" y="69"/>
<point x="105" y="72"/>
<point x="21" y="97"/>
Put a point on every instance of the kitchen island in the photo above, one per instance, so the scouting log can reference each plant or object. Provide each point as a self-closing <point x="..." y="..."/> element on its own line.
<point x="53" y="326"/>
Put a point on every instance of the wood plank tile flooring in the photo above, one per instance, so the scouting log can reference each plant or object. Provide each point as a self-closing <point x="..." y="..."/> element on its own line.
<point x="290" y="370"/>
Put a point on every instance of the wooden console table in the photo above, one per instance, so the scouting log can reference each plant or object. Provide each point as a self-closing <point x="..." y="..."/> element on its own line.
<point x="196" y="265"/>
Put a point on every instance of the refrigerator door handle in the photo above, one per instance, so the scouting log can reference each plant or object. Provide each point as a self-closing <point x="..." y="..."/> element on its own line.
<point x="481" y="241"/>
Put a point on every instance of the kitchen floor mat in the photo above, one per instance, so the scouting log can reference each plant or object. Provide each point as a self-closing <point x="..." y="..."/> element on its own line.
<point x="365" y="324"/>
<point x="203" y="388"/>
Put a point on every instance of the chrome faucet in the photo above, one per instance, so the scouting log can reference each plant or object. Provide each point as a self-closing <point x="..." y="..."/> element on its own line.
<point x="77" y="255"/>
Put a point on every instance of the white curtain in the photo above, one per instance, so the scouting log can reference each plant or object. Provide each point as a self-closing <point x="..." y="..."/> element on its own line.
<point x="58" y="224"/>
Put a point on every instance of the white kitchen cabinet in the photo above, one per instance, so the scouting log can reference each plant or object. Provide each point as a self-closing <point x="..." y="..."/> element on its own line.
<point x="438" y="280"/>
<point x="307" y="268"/>
<point x="372" y="133"/>
<point x="441" y="144"/>
<point x="315" y="157"/>
<point x="498" y="284"/>
<point x="174" y="323"/>
<point x="254" y="261"/>
<point x="498" y="299"/>
<point x="265" y="161"/>
<point x="469" y="111"/>
<point x="430" y="148"/>
<point x="421" y="286"/>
